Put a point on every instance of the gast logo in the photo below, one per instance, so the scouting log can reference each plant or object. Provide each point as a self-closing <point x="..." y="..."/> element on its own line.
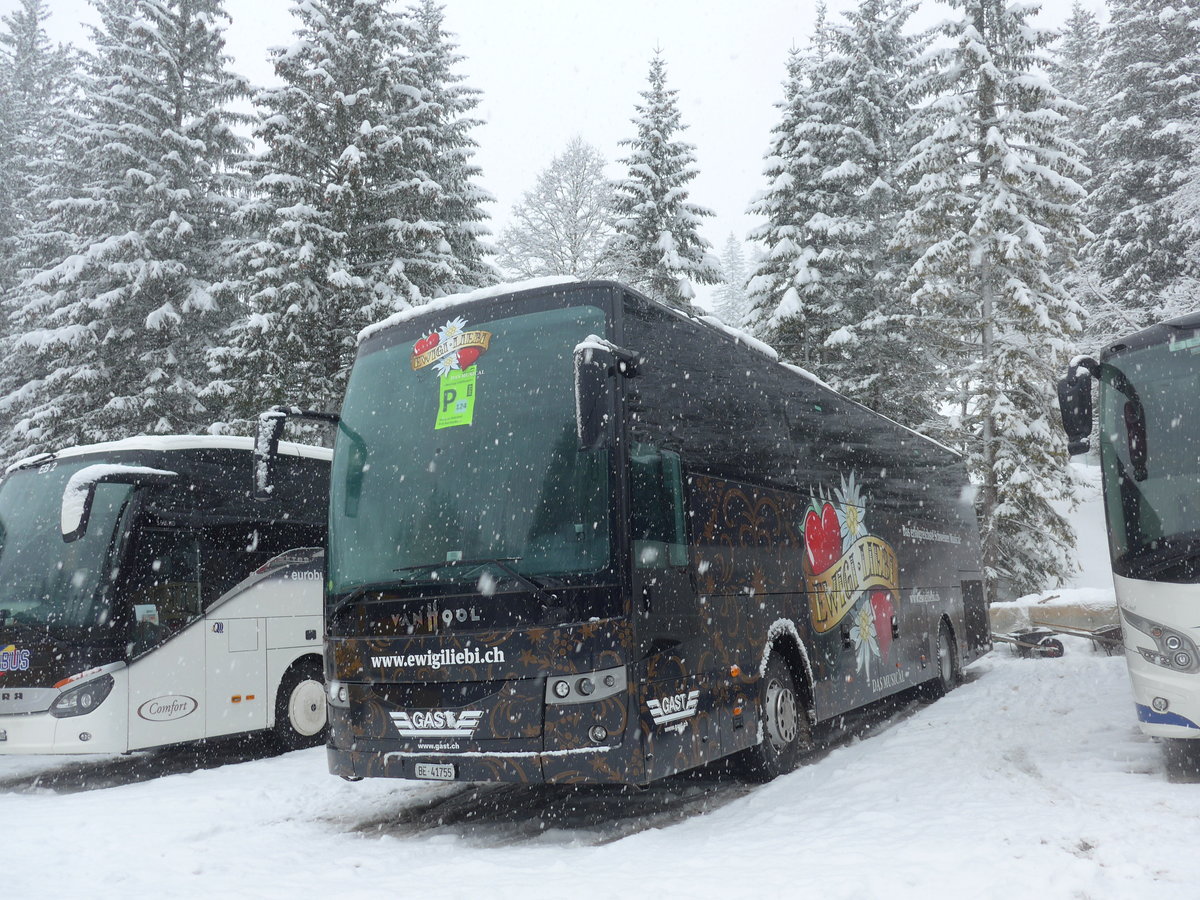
<point x="437" y="723"/>
<point x="674" y="708"/>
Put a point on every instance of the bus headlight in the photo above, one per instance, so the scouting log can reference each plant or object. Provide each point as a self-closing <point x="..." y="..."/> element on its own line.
<point x="81" y="700"/>
<point x="339" y="694"/>
<point x="585" y="687"/>
<point x="1172" y="650"/>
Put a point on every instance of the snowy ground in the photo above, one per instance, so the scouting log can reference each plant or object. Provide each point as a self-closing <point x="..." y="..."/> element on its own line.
<point x="1032" y="778"/>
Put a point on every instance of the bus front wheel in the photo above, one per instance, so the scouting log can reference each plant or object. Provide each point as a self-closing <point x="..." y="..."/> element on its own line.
<point x="783" y="724"/>
<point x="300" y="716"/>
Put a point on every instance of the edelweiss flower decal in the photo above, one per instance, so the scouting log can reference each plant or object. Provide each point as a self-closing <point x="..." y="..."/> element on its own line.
<point x="851" y="511"/>
<point x="862" y="633"/>
<point x="452" y="362"/>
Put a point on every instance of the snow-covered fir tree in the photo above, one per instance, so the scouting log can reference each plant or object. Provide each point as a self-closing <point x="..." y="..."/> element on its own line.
<point x="1074" y="69"/>
<point x="790" y="307"/>
<point x="868" y="89"/>
<point x="365" y="200"/>
<point x="658" y="240"/>
<point x="731" y="300"/>
<point x="443" y="176"/>
<point x="994" y="182"/>
<point x="36" y="80"/>
<point x="1147" y="121"/>
<point x="116" y="325"/>
<point x="564" y="224"/>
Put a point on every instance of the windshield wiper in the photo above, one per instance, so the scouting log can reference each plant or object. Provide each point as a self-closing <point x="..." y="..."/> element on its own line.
<point x="1173" y="554"/>
<point x="503" y="563"/>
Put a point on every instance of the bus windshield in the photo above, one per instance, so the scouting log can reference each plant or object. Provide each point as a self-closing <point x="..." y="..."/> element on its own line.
<point x="1150" y="452"/>
<point x="458" y="443"/>
<point x="45" y="582"/>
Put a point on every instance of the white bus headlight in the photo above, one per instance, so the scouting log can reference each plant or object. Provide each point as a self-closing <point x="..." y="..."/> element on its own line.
<point x="339" y="694"/>
<point x="1172" y="649"/>
<point x="586" y="687"/>
<point x="81" y="700"/>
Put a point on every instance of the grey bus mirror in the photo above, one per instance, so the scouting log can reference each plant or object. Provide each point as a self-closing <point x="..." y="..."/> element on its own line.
<point x="80" y="492"/>
<point x="1075" y="404"/>
<point x="267" y="435"/>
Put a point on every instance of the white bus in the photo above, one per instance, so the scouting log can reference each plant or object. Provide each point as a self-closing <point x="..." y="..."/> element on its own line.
<point x="1149" y="384"/>
<point x="147" y="599"/>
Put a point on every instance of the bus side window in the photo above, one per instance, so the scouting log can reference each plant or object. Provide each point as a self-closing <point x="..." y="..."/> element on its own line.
<point x="657" y="525"/>
<point x="165" y="594"/>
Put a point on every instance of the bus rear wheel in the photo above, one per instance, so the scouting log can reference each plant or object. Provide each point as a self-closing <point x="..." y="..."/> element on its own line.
<point x="783" y="724"/>
<point x="946" y="662"/>
<point x="300" y="714"/>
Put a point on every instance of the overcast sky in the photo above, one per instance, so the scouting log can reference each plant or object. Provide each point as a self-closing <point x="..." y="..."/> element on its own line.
<point x="551" y="69"/>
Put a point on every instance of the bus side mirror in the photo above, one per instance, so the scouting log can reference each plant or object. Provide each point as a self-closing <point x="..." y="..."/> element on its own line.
<point x="1075" y="404"/>
<point x="267" y="435"/>
<point x="592" y="364"/>
<point x="80" y="492"/>
<point x="595" y="361"/>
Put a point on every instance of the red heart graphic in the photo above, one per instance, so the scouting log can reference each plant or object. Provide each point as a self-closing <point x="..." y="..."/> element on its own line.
<point x="467" y="357"/>
<point x="426" y="343"/>
<point x="883" y="611"/>
<point x="822" y="538"/>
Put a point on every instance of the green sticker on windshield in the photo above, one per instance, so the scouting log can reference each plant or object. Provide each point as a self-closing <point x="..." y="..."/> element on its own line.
<point x="456" y="400"/>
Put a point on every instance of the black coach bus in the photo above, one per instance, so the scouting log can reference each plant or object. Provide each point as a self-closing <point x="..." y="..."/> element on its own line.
<point x="577" y="536"/>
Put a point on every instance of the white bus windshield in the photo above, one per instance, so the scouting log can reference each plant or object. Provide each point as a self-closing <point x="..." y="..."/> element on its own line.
<point x="458" y="442"/>
<point x="46" y="582"/>
<point x="1150" y="451"/>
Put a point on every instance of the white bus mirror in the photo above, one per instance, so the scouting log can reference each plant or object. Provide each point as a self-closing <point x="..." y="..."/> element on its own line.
<point x="80" y="492"/>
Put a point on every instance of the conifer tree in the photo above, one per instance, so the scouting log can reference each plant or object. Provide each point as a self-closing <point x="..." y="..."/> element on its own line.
<point x="996" y="196"/>
<point x="731" y="302"/>
<point x="1146" y="120"/>
<point x="658" y="240"/>
<point x="790" y="308"/>
<point x="36" y="80"/>
<point x="443" y="177"/>
<point x="365" y="199"/>
<point x="562" y="226"/>
<point x="117" y="323"/>
<point x="867" y="96"/>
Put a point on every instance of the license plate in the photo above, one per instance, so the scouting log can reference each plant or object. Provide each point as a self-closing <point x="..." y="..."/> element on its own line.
<point x="435" y="771"/>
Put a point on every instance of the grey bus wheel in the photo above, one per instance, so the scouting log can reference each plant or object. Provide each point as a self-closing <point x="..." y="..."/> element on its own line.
<point x="945" y="677"/>
<point x="782" y="722"/>
<point x="300" y="714"/>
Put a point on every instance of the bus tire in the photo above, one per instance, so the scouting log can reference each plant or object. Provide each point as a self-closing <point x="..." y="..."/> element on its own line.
<point x="300" y="715"/>
<point x="1182" y="759"/>
<point x="945" y="677"/>
<point x="782" y="722"/>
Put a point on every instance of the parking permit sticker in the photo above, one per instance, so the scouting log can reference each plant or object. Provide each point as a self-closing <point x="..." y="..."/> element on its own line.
<point x="456" y="400"/>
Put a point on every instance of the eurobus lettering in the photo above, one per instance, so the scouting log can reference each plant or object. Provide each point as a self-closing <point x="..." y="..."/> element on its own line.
<point x="674" y="548"/>
<point x="147" y="599"/>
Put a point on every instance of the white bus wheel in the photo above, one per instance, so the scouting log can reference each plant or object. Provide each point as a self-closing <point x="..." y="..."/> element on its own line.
<point x="300" y="715"/>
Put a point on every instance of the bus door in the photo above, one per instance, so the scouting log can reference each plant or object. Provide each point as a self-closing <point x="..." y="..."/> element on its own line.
<point x="674" y="717"/>
<point x="166" y="669"/>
